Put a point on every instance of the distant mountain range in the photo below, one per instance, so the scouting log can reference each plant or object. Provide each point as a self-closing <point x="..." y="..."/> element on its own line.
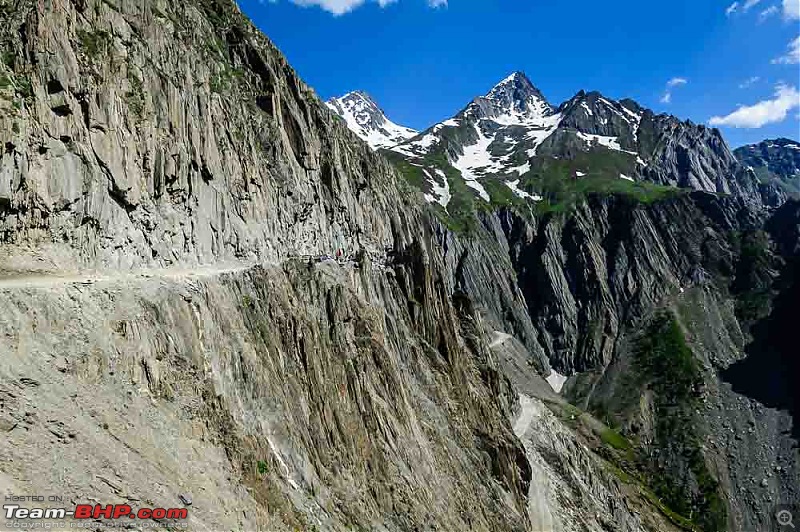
<point x="774" y="161"/>
<point x="511" y="145"/>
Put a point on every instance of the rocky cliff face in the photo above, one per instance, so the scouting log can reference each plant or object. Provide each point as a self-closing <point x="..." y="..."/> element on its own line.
<point x="123" y="146"/>
<point x="671" y="317"/>
<point x="616" y="289"/>
<point x="154" y="136"/>
<point x="655" y="299"/>
<point x="170" y="197"/>
<point x="588" y="274"/>
<point x="661" y="313"/>
<point x="169" y="193"/>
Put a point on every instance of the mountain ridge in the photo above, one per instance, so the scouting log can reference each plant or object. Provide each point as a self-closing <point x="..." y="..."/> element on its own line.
<point x="512" y="135"/>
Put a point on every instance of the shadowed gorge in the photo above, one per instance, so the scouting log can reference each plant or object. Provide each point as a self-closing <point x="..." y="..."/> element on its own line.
<point x="769" y="372"/>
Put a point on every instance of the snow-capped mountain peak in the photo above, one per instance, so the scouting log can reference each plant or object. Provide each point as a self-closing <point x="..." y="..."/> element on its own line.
<point x="368" y="121"/>
<point x="516" y="91"/>
<point x="512" y="136"/>
<point x="513" y="101"/>
<point x="493" y="137"/>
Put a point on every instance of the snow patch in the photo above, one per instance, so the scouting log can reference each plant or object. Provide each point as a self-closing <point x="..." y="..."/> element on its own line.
<point x="634" y="116"/>
<point x="623" y="176"/>
<point x="477" y="159"/>
<point x="404" y="149"/>
<point x="613" y="108"/>
<point x="633" y="119"/>
<point x="556" y="380"/>
<point x="514" y="186"/>
<point x="521" y="169"/>
<point x="440" y="193"/>
<point x="425" y="142"/>
<point x="508" y="79"/>
<point x="537" y="135"/>
<point x="533" y="112"/>
<point x="477" y="187"/>
<point x="611" y="143"/>
<point x="580" y="174"/>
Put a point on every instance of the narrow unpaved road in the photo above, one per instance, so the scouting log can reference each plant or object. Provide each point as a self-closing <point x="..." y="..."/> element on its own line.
<point x="24" y="280"/>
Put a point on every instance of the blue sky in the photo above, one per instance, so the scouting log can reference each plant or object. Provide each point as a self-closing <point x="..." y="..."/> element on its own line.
<point x="423" y="63"/>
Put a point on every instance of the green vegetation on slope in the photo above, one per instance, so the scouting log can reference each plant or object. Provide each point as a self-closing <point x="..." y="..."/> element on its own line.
<point x="672" y="373"/>
<point x="615" y="439"/>
<point x="95" y="43"/>
<point x="556" y="180"/>
<point x="618" y="455"/>
<point x="412" y="173"/>
<point x="460" y="213"/>
<point x="657" y="443"/>
<point x="752" y="287"/>
<point x="562" y="188"/>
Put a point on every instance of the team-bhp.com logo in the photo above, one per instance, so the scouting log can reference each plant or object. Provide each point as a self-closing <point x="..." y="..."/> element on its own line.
<point x="88" y="511"/>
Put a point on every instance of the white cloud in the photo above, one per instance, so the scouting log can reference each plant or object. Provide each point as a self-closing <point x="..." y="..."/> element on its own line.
<point x="747" y="5"/>
<point x="791" y="9"/>
<point x="767" y="13"/>
<point x="339" y="7"/>
<point x="749" y="82"/>
<point x="671" y="84"/>
<point x="793" y="55"/>
<point x="762" y="113"/>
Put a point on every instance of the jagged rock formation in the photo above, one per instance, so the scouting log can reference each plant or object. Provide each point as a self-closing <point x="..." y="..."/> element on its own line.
<point x="668" y="151"/>
<point x="598" y="279"/>
<point x="158" y="135"/>
<point x="694" y="269"/>
<point x="776" y="163"/>
<point x="123" y="148"/>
